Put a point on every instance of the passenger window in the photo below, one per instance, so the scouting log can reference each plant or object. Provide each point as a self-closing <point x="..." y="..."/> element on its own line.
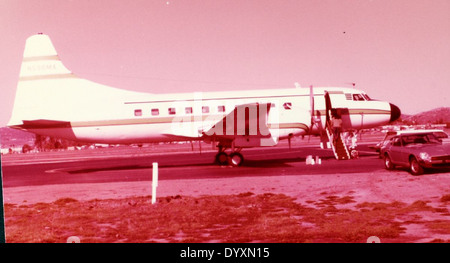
<point x="138" y="112"/>
<point x="287" y="105"/>
<point x="205" y="109"/>
<point x="172" y="111"/>
<point x="188" y="110"/>
<point x="221" y="109"/>
<point x="155" y="112"/>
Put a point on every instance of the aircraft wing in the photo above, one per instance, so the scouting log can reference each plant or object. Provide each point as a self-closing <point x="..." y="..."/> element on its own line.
<point x="244" y="120"/>
<point x="246" y="125"/>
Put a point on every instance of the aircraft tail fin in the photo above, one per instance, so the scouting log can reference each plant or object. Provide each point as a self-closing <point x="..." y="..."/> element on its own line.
<point x="43" y="82"/>
<point x="40" y="60"/>
<point x="48" y="91"/>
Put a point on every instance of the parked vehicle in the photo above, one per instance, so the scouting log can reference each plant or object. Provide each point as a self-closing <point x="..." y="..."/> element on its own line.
<point x="440" y="134"/>
<point x="417" y="151"/>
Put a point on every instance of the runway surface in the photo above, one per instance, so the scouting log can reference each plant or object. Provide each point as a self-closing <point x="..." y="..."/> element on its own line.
<point x="131" y="165"/>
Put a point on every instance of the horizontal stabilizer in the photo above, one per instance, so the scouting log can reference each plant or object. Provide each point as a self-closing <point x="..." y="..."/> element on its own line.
<point x="44" y="124"/>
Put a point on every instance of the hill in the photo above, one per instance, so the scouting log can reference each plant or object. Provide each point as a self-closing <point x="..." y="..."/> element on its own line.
<point x="11" y="137"/>
<point x="435" y="116"/>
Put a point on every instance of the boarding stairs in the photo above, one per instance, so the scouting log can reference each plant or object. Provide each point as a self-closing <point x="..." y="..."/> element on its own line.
<point x="340" y="149"/>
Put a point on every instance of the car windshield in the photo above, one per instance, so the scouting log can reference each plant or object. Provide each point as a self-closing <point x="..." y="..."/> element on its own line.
<point x="414" y="139"/>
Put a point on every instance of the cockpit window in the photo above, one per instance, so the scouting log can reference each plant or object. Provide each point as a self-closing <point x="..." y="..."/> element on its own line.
<point x="366" y="97"/>
<point x="358" y="97"/>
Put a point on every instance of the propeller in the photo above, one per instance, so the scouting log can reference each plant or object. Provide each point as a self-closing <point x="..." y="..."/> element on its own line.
<point x="313" y="119"/>
<point x="311" y="98"/>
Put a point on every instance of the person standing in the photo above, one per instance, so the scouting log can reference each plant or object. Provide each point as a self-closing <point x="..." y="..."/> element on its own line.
<point x="336" y="123"/>
<point x="353" y="139"/>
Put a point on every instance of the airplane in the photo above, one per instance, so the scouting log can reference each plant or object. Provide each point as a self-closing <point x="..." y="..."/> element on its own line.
<point x="53" y="101"/>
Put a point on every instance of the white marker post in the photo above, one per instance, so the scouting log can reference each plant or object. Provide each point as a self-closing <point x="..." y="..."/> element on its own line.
<point x="154" y="182"/>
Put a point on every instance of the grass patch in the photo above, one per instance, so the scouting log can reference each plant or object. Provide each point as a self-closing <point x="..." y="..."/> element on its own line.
<point x="445" y="198"/>
<point x="245" y="217"/>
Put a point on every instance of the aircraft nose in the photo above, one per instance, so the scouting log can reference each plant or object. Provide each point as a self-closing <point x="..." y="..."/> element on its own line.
<point x="395" y="112"/>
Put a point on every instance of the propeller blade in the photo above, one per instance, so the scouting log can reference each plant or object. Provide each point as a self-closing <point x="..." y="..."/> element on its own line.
<point x="311" y="99"/>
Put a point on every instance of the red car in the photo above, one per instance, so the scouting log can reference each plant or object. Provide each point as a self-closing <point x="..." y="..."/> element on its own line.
<point x="417" y="151"/>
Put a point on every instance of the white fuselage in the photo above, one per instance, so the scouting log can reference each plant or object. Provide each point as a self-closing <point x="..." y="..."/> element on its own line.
<point x="51" y="100"/>
<point x="143" y="118"/>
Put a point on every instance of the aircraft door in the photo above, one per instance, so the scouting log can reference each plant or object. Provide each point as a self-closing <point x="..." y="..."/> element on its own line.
<point x="327" y="106"/>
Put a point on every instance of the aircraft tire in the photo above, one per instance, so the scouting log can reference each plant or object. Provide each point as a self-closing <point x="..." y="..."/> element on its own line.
<point x="236" y="159"/>
<point x="222" y="158"/>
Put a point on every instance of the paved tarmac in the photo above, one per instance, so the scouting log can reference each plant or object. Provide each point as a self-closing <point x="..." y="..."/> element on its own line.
<point x="131" y="164"/>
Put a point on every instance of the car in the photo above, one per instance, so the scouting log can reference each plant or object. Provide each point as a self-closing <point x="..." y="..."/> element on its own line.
<point x="440" y="134"/>
<point x="418" y="151"/>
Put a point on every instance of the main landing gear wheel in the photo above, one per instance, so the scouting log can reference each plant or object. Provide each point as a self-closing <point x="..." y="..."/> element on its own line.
<point x="222" y="158"/>
<point x="236" y="159"/>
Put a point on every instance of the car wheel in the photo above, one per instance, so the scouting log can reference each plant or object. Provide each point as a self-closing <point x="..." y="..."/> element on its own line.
<point x="388" y="162"/>
<point x="414" y="167"/>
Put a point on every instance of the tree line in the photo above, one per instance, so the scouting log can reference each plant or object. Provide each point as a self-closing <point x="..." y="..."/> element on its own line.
<point x="47" y="143"/>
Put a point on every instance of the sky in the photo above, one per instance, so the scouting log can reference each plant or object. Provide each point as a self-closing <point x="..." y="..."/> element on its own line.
<point x="394" y="50"/>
